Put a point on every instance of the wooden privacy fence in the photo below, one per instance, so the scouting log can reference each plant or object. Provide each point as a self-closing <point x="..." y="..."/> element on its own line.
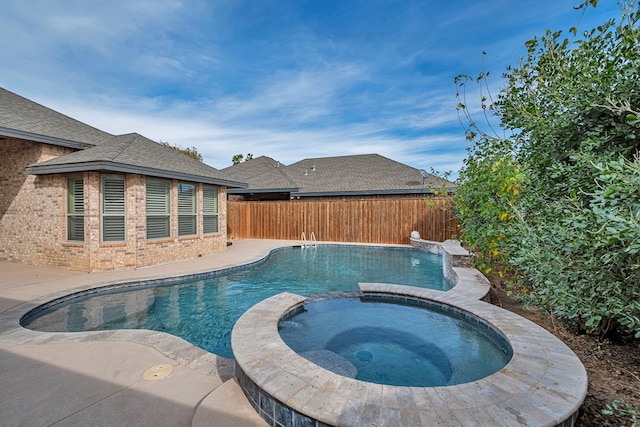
<point x="364" y="221"/>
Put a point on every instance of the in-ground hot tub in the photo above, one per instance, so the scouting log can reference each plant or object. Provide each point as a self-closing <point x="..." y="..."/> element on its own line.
<point x="543" y="383"/>
<point x="395" y="341"/>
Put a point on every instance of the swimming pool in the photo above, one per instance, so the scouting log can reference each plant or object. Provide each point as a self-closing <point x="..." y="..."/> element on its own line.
<point x="203" y="310"/>
<point x="543" y="383"/>
<point x="400" y="342"/>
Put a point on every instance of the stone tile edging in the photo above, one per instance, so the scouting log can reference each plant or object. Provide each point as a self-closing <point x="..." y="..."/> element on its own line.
<point x="456" y="268"/>
<point x="549" y="385"/>
<point x="544" y="384"/>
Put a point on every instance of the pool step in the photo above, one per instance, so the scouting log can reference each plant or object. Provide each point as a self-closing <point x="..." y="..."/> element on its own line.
<point x="227" y="406"/>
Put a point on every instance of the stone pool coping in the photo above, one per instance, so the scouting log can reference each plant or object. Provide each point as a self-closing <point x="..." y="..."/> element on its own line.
<point x="543" y="384"/>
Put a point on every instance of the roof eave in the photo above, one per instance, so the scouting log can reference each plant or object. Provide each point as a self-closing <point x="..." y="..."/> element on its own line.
<point x="262" y="190"/>
<point x="14" y="133"/>
<point x="364" y="192"/>
<point x="37" y="169"/>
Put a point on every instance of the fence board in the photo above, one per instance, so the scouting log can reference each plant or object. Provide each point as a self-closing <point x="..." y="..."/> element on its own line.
<point x="364" y="221"/>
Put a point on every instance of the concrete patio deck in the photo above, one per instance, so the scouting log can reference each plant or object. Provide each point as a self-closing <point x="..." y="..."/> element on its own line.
<point x="96" y="378"/>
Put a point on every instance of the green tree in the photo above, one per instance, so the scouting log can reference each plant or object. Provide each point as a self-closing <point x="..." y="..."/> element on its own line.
<point x="236" y="159"/>
<point x="189" y="151"/>
<point x="557" y="200"/>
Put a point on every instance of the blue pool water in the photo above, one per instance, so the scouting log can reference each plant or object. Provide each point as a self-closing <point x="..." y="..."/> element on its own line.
<point x="204" y="310"/>
<point x="393" y="343"/>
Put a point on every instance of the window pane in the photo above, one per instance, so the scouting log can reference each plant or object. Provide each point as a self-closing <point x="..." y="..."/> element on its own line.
<point x="158" y="227"/>
<point x="186" y="199"/>
<point x="186" y="225"/>
<point x="113" y="228"/>
<point x="75" y="228"/>
<point x="158" y="208"/>
<point x="210" y="199"/>
<point x="75" y="210"/>
<point x="113" y="209"/>
<point x="187" y="208"/>
<point x="210" y="223"/>
<point x="113" y="196"/>
<point x="75" y="196"/>
<point x="210" y="209"/>
<point x="158" y="197"/>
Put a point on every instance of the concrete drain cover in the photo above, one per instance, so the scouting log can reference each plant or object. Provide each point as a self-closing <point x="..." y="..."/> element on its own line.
<point x="157" y="372"/>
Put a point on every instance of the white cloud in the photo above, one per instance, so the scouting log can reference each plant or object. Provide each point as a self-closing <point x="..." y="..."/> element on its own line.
<point x="281" y="79"/>
<point x="218" y="143"/>
<point x="292" y="96"/>
<point x="160" y="66"/>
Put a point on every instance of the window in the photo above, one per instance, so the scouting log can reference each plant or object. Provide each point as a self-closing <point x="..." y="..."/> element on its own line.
<point x="75" y="210"/>
<point x="158" y="208"/>
<point x="210" y="209"/>
<point x="113" y="208"/>
<point x="187" y="209"/>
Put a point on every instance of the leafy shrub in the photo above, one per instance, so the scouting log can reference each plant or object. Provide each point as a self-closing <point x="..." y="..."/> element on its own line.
<point x="621" y="408"/>
<point x="558" y="200"/>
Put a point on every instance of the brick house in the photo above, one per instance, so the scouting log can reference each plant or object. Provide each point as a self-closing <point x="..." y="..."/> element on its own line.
<point x="76" y="197"/>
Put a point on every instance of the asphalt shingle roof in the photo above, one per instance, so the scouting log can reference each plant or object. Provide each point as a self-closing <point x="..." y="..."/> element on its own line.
<point x="365" y="174"/>
<point x="362" y="174"/>
<point x="28" y="117"/>
<point x="133" y="153"/>
<point x="98" y="150"/>
<point x="262" y="174"/>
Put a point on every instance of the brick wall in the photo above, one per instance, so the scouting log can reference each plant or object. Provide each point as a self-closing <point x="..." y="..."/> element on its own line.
<point x="33" y="219"/>
<point x="32" y="209"/>
<point x="151" y="252"/>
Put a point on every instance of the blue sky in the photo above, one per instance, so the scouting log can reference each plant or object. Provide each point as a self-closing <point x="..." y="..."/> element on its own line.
<point x="289" y="79"/>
